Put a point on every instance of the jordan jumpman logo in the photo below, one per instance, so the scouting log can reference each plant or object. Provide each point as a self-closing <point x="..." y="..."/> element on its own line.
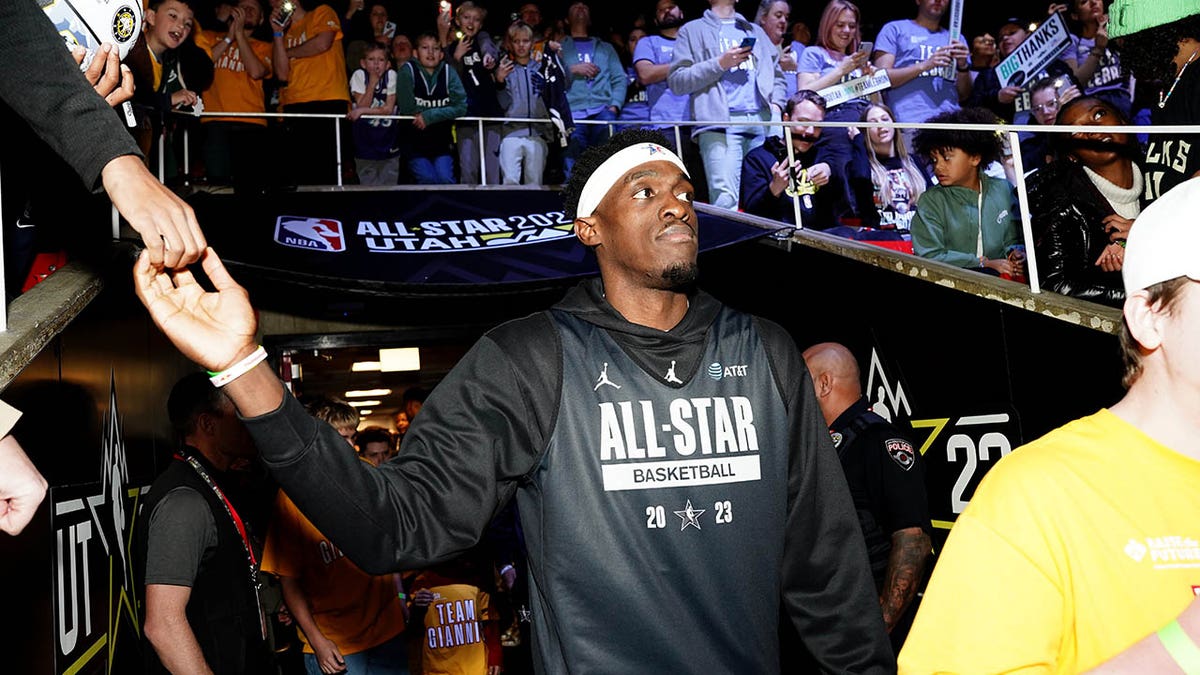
<point x="604" y="380"/>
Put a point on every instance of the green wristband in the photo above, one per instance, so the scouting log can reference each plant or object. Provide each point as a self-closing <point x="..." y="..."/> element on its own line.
<point x="1181" y="648"/>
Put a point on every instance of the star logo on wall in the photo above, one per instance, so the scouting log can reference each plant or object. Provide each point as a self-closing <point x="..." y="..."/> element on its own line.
<point x="689" y="516"/>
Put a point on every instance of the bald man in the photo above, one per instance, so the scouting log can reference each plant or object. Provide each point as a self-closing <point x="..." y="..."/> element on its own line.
<point x="887" y="482"/>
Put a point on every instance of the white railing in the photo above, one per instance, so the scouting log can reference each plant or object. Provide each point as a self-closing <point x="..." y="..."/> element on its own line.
<point x="1011" y="131"/>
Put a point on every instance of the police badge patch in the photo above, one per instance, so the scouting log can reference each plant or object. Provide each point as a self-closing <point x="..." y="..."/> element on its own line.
<point x="837" y="439"/>
<point x="901" y="452"/>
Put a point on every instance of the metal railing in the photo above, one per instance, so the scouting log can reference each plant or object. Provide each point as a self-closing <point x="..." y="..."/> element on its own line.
<point x="1010" y="131"/>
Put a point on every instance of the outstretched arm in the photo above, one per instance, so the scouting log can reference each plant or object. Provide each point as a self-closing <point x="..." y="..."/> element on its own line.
<point x="216" y="330"/>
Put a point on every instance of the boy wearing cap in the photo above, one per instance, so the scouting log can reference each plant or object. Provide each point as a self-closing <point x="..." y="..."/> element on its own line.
<point x="1160" y="40"/>
<point x="1084" y="541"/>
<point x="667" y="454"/>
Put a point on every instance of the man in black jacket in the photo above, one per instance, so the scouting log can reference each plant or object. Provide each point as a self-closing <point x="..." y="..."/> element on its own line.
<point x="772" y="185"/>
<point x="676" y="482"/>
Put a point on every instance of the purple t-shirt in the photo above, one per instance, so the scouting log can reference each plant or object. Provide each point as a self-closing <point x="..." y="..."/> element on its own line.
<point x="1108" y="75"/>
<point x="817" y="60"/>
<point x="665" y="105"/>
<point x="927" y="94"/>
<point x="740" y="90"/>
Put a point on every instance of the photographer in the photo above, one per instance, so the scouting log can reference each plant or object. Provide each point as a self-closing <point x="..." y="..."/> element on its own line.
<point x="769" y="183"/>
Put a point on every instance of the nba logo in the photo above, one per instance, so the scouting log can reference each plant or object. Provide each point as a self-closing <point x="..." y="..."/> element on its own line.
<point x="314" y="234"/>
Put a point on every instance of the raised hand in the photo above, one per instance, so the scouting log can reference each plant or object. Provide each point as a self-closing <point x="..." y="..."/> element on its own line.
<point x="21" y="487"/>
<point x="215" y="329"/>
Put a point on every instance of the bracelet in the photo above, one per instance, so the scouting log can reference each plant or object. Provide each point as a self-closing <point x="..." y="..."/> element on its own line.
<point x="278" y="33"/>
<point x="401" y="595"/>
<point x="238" y="369"/>
<point x="228" y="40"/>
<point x="1183" y="651"/>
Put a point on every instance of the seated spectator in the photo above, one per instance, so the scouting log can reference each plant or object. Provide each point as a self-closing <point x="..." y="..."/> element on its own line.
<point x="773" y="16"/>
<point x="836" y="58"/>
<point x="968" y="219"/>
<point x="1083" y="205"/>
<point x="473" y="55"/>
<point x="769" y="183"/>
<point x="1046" y="97"/>
<point x="887" y="181"/>
<point x="521" y="86"/>
<point x="376" y="141"/>
<point x="598" y="84"/>
<point x="431" y="91"/>
<point x="375" y="445"/>
<point x="233" y="146"/>
<point x="1090" y="59"/>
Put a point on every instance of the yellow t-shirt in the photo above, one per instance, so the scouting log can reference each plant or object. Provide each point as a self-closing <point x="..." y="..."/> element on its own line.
<point x="1073" y="548"/>
<point x="354" y="609"/>
<point x="453" y="642"/>
<point x="233" y="90"/>
<point x="321" y="77"/>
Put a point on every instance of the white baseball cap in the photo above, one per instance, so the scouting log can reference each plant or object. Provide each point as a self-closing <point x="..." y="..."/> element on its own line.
<point x="1164" y="242"/>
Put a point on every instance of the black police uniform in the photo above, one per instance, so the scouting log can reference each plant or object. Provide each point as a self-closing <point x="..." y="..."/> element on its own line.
<point x="887" y="483"/>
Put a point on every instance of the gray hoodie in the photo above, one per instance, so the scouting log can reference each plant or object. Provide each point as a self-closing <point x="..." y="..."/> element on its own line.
<point x="695" y="71"/>
<point x="519" y="98"/>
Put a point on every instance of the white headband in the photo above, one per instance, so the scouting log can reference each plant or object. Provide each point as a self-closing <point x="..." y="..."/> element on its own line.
<point x="611" y="170"/>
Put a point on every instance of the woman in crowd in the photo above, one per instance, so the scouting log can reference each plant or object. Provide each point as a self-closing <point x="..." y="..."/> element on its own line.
<point x="1083" y="204"/>
<point x="887" y="182"/>
<point x="837" y="57"/>
<point x="773" y="17"/>
<point x="1091" y="59"/>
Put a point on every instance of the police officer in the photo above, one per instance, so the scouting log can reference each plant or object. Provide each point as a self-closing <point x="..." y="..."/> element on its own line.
<point x="887" y="483"/>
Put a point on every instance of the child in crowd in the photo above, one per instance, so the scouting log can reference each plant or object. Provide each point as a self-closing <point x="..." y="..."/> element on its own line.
<point x="969" y="218"/>
<point x="523" y="147"/>
<point x="461" y="633"/>
<point x="373" y="92"/>
<point x="168" y="33"/>
<point x="433" y="93"/>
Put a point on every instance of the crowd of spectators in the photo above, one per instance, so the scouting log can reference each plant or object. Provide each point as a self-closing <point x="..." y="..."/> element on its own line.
<point x="742" y="69"/>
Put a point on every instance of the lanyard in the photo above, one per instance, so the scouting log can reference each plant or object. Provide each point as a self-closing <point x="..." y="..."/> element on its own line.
<point x="241" y="528"/>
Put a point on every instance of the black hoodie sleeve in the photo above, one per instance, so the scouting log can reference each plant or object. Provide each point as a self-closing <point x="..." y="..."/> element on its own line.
<point x="44" y="86"/>
<point x="479" y="433"/>
<point x="828" y="591"/>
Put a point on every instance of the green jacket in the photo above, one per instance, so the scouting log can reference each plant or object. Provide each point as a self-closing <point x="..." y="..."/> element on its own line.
<point x="947" y="223"/>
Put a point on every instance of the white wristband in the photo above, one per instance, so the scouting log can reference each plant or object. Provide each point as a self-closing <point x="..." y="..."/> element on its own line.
<point x="238" y="369"/>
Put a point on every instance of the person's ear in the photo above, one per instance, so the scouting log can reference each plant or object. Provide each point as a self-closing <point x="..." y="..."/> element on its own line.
<point x="586" y="231"/>
<point x="148" y="17"/>
<point x="206" y="423"/>
<point x="1145" y="321"/>
<point x="824" y="384"/>
<point x="976" y="160"/>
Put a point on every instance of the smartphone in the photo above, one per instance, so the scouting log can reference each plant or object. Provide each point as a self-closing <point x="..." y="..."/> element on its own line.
<point x="285" y="12"/>
<point x="389" y="29"/>
<point x="748" y="42"/>
<point x="444" y="7"/>
<point x="867" y="47"/>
